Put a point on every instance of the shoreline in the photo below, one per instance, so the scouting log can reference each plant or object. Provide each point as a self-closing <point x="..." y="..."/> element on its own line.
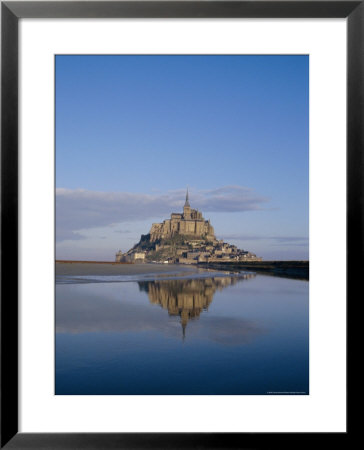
<point x="80" y="268"/>
<point x="70" y="261"/>
<point x="288" y="269"/>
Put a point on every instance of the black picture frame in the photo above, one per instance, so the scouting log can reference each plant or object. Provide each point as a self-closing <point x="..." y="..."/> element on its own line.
<point x="11" y="12"/>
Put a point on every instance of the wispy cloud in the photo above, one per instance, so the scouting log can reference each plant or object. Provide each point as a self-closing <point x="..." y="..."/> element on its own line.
<point x="79" y="209"/>
<point x="279" y="240"/>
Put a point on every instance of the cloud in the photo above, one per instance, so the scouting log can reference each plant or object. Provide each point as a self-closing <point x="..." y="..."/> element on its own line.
<point x="228" y="199"/>
<point x="65" y="235"/>
<point x="79" y="209"/>
<point x="301" y="241"/>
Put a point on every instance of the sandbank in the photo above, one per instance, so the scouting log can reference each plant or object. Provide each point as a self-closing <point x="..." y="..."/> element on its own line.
<point x="84" y="268"/>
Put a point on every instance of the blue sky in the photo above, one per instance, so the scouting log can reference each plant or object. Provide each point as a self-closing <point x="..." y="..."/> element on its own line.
<point x="133" y="131"/>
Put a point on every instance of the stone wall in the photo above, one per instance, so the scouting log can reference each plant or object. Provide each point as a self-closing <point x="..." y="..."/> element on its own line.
<point x="189" y="223"/>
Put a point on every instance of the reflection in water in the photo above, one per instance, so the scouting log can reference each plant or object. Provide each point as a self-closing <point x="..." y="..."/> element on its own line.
<point x="120" y="308"/>
<point x="112" y="339"/>
<point x="187" y="298"/>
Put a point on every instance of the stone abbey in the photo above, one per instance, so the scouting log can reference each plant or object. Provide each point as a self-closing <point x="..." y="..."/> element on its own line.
<point x="185" y="238"/>
<point x="189" y="223"/>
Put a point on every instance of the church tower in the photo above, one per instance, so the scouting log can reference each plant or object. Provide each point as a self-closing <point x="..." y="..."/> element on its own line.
<point x="187" y="208"/>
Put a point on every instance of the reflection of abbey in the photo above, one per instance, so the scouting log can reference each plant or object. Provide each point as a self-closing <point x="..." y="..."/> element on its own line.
<point x="185" y="238"/>
<point x="187" y="298"/>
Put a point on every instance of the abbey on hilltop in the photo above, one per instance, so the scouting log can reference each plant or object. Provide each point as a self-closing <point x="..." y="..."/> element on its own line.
<point x="184" y="238"/>
<point x="189" y="223"/>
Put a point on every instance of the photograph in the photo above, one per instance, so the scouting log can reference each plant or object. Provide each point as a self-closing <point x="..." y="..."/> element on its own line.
<point x="181" y="224"/>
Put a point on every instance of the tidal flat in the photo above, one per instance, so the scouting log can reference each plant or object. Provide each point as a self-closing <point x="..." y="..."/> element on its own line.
<point x="91" y="268"/>
<point x="154" y="329"/>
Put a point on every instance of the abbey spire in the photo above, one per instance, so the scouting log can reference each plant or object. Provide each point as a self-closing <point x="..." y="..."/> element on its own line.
<point x="187" y="203"/>
<point x="187" y="208"/>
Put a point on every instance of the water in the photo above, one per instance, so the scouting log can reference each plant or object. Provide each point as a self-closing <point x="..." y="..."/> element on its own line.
<point x="221" y="334"/>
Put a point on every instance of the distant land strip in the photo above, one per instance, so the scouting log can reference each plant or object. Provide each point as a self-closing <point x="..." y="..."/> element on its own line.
<point x="290" y="269"/>
<point x="71" y="261"/>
